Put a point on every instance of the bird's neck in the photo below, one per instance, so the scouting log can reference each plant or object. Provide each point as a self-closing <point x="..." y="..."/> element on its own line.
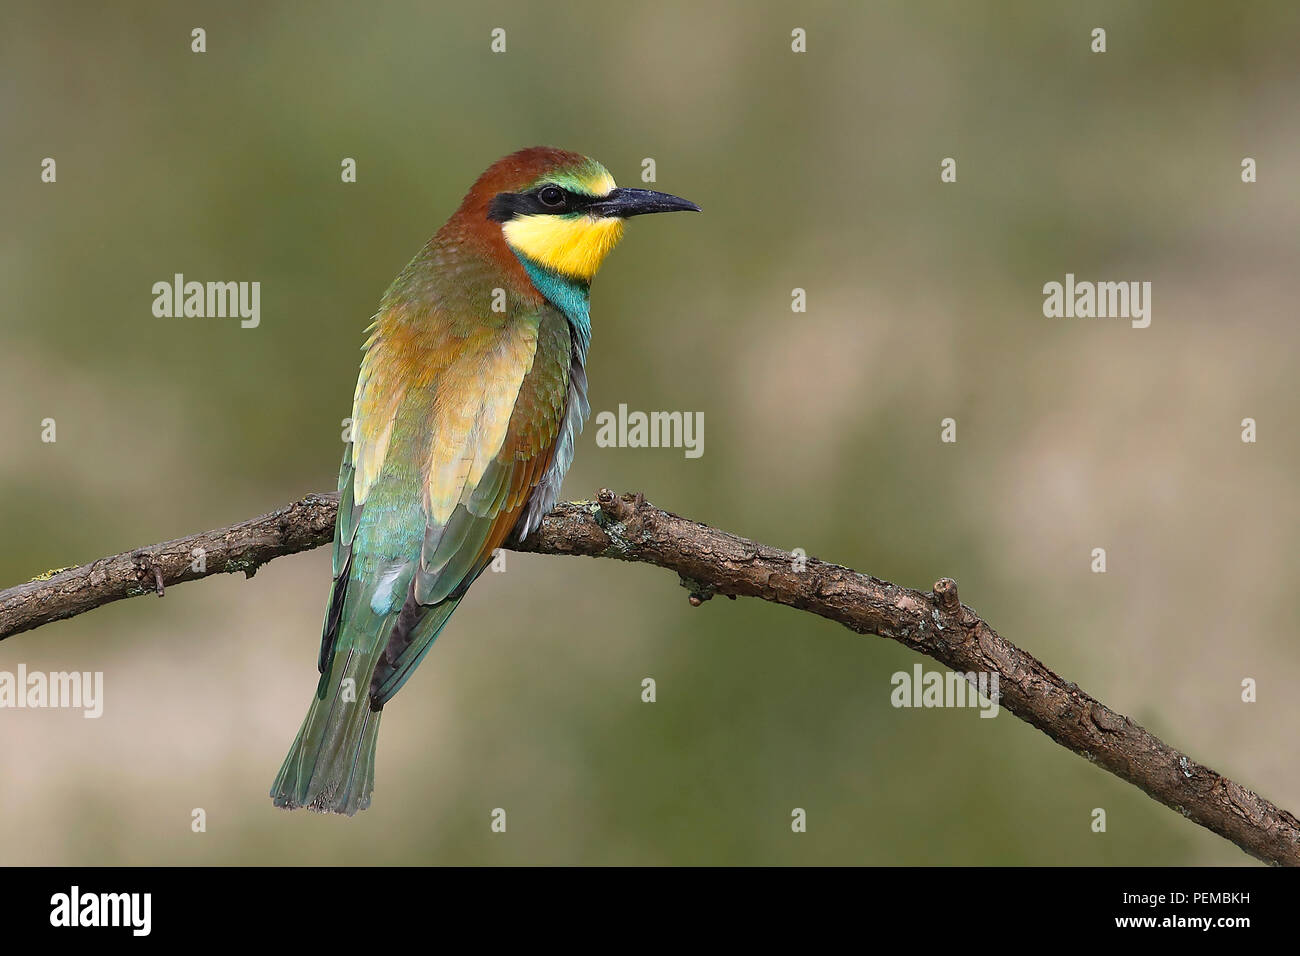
<point x="566" y="293"/>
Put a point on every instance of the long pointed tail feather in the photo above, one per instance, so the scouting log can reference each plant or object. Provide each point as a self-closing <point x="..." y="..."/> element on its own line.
<point x="331" y="765"/>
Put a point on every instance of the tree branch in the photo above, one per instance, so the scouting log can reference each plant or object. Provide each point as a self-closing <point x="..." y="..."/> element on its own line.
<point x="709" y="562"/>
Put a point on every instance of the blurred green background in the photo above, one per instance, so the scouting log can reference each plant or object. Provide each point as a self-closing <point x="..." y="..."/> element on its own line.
<point x="816" y="170"/>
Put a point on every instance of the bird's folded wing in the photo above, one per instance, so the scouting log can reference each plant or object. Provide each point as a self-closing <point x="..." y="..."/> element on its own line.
<point x="495" y="422"/>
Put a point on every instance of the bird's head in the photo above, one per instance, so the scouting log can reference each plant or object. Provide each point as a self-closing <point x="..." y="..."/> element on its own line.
<point x="562" y="210"/>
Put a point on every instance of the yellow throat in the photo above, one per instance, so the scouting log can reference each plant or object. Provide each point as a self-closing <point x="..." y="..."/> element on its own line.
<point x="573" y="245"/>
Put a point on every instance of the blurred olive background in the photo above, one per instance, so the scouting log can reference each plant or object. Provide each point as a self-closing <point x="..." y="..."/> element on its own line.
<point x="818" y="171"/>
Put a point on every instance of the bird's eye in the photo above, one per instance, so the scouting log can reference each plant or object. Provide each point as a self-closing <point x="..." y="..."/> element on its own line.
<point x="552" y="196"/>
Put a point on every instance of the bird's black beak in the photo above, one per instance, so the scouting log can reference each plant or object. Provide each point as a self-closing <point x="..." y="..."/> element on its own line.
<point x="625" y="203"/>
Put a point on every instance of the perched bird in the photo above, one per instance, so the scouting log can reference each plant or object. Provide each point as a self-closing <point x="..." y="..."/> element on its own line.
<point x="472" y="392"/>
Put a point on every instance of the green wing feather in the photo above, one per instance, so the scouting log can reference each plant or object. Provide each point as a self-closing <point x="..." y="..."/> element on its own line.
<point x="455" y="553"/>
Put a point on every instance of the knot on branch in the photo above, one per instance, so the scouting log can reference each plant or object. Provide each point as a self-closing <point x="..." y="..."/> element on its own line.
<point x="622" y="508"/>
<point x="147" y="569"/>
<point x="945" y="595"/>
<point x="1106" y="719"/>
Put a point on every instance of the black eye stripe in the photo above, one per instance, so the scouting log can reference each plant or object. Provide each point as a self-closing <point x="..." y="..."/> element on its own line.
<point x="506" y="206"/>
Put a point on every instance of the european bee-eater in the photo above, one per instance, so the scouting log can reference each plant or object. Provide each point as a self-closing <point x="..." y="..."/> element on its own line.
<point x="473" y="389"/>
